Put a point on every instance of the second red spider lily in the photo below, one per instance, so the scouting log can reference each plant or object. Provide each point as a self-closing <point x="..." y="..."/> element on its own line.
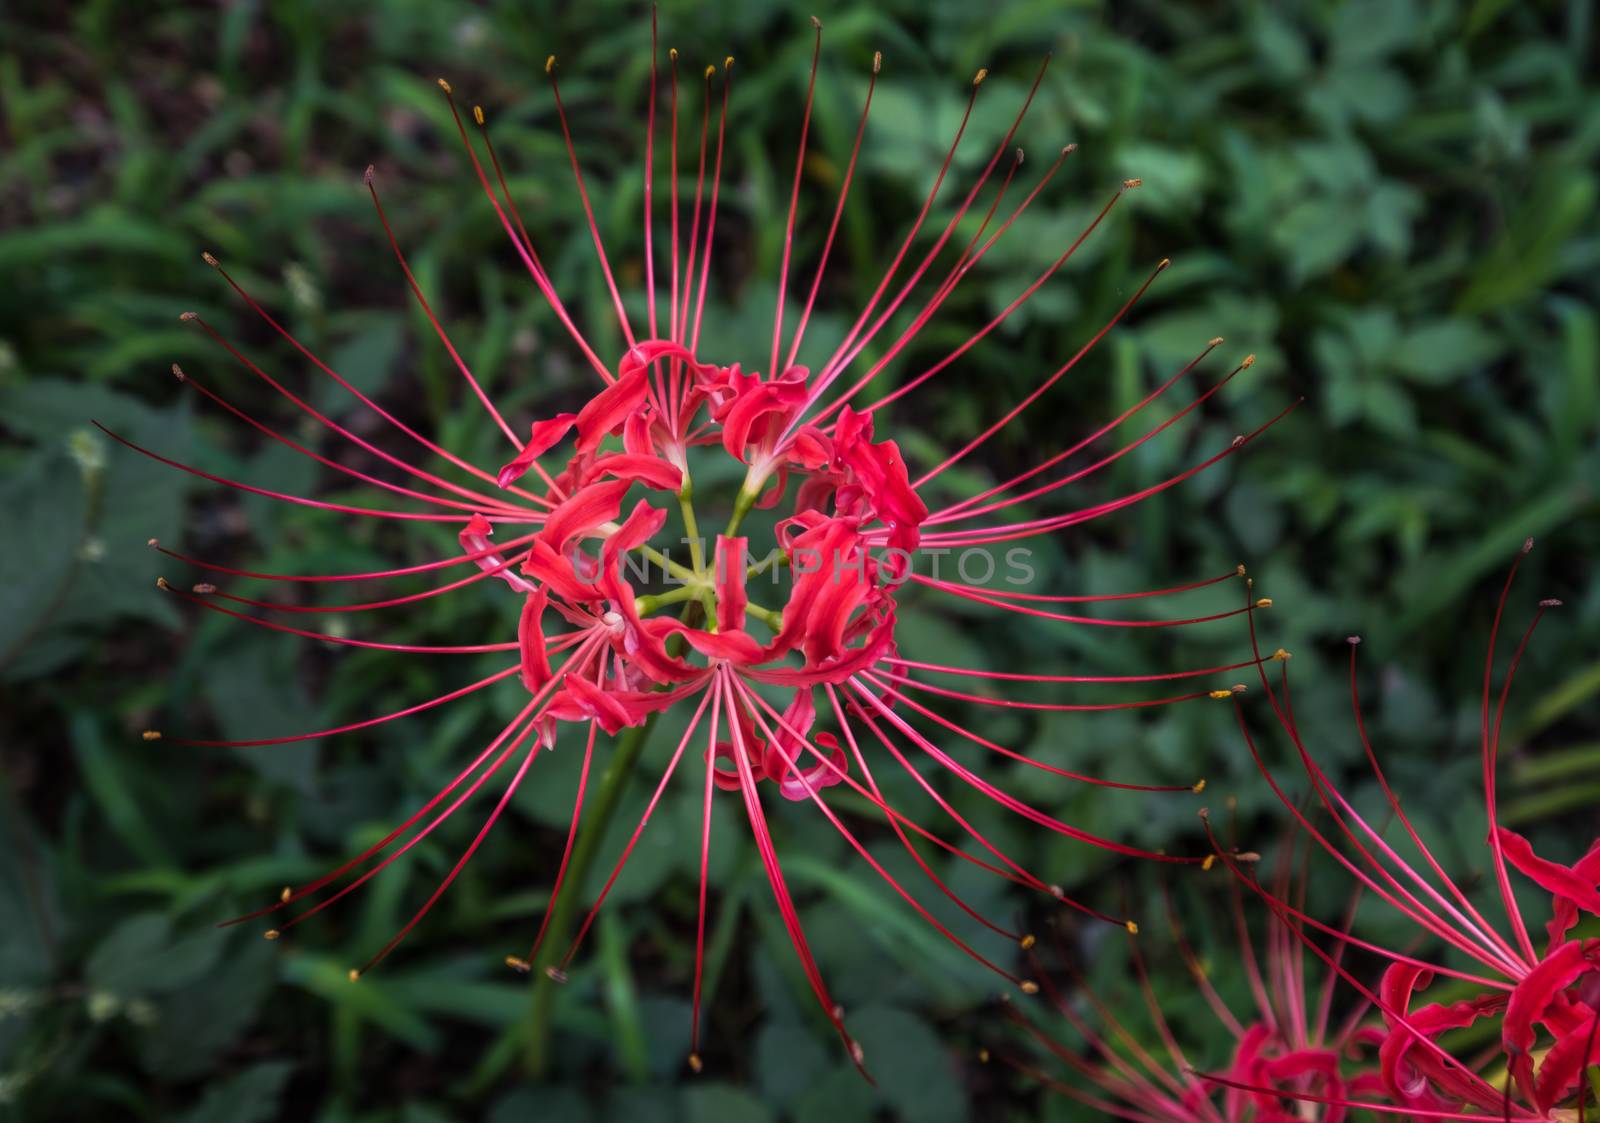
<point x="790" y="698"/>
<point x="1296" y="1043"/>
<point x="1542" y="996"/>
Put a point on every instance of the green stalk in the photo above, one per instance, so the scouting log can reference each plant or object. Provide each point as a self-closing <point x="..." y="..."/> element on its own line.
<point x="536" y="1026"/>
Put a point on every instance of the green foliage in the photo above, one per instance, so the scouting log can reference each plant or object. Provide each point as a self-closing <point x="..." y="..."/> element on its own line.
<point x="1391" y="203"/>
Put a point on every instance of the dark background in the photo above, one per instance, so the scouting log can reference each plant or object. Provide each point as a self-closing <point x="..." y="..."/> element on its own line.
<point x="1390" y="203"/>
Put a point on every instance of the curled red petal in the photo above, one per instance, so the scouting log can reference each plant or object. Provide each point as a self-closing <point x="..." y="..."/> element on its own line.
<point x="474" y="539"/>
<point x="543" y="438"/>
<point x="650" y="470"/>
<point x="1553" y="877"/>
<point x="530" y="640"/>
<point x="731" y="596"/>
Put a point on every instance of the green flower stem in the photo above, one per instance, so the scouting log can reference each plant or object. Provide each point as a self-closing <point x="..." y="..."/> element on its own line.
<point x="564" y="910"/>
<point x="741" y="507"/>
<point x="690" y="526"/>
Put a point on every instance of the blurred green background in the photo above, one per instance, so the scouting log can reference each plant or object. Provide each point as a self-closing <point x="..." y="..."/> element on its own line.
<point x="1391" y="203"/>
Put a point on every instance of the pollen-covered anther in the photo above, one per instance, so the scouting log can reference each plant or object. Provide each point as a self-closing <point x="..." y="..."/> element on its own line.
<point x="367" y="176"/>
<point x="163" y="584"/>
<point x="286" y="894"/>
<point x="1353" y="641"/>
<point x="1527" y="544"/>
<point x="1199" y="786"/>
<point x="877" y="61"/>
<point x="1021" y="156"/>
<point x="1216" y="341"/>
<point x="1239" y="688"/>
<point x="1282" y="655"/>
<point x="1551" y="602"/>
<point x="177" y="372"/>
<point x="977" y="79"/>
<point x="150" y="735"/>
<point x="518" y="964"/>
<point x="152" y="542"/>
<point x="1028" y="986"/>
<point x="710" y="70"/>
<point x="1219" y="695"/>
<point x="1211" y="860"/>
<point x="1130" y="184"/>
<point x="354" y="976"/>
<point x="205" y="256"/>
<point x="672" y="53"/>
<point x="727" y="63"/>
<point x="1027" y="941"/>
<point x="477" y="113"/>
<point x="695" y="1063"/>
<point x="1240" y="570"/>
<point x="1237" y="441"/>
<point x="271" y="934"/>
<point x="816" y="23"/>
<point x="203" y="588"/>
<point x="1069" y="149"/>
<point x="1057" y="892"/>
<point x="983" y="1056"/>
<point x="556" y="974"/>
<point x="613" y="622"/>
<point x="1264" y="602"/>
<point x="1163" y="263"/>
<point x="445" y="86"/>
<point x="1246" y="856"/>
<point x="1133" y="929"/>
<point x="186" y="317"/>
<point x="1249" y="361"/>
<point x="549" y="63"/>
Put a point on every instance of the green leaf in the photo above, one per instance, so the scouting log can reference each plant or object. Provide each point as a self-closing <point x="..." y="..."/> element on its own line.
<point x="250" y="1097"/>
<point x="143" y="955"/>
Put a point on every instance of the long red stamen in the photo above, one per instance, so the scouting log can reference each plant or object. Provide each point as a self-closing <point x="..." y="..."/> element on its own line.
<point x="838" y="213"/>
<point x="438" y="328"/>
<point x="794" y="202"/>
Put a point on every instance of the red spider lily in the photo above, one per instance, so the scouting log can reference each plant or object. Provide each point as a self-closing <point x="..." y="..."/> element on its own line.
<point x="1287" y="1047"/>
<point x="593" y="649"/>
<point x="1546" y="1000"/>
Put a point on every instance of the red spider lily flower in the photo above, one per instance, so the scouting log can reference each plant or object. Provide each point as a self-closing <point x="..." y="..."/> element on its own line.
<point x="790" y="697"/>
<point x="1544" y="1000"/>
<point x="1289" y="1050"/>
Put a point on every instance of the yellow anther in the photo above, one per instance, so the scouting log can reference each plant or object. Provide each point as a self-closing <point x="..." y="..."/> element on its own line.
<point x="1215" y="342"/>
<point x="161" y="583"/>
<point x="177" y="372"/>
<point x="271" y="934"/>
<point x="695" y="1063"/>
<point x="354" y="975"/>
<point x="710" y="70"/>
<point x="445" y="86"/>
<point x="477" y="113"/>
<point x="1281" y="655"/>
<point x="1249" y="361"/>
<point x="727" y="63"/>
<point x="983" y="1056"/>
<point x="877" y="61"/>
<point x="1029" y="986"/>
<point x="1131" y="183"/>
<point x="1133" y="929"/>
<point x="286" y="894"/>
<point x="1166" y="261"/>
<point x="1219" y="695"/>
<point x="520" y="966"/>
<point x="1199" y="786"/>
<point x="1264" y="602"/>
<point x="151" y="735"/>
<point x="549" y="64"/>
<point x="1211" y="860"/>
<point x="977" y="79"/>
<point x="672" y="53"/>
<point x="205" y="256"/>
<point x="1027" y="941"/>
